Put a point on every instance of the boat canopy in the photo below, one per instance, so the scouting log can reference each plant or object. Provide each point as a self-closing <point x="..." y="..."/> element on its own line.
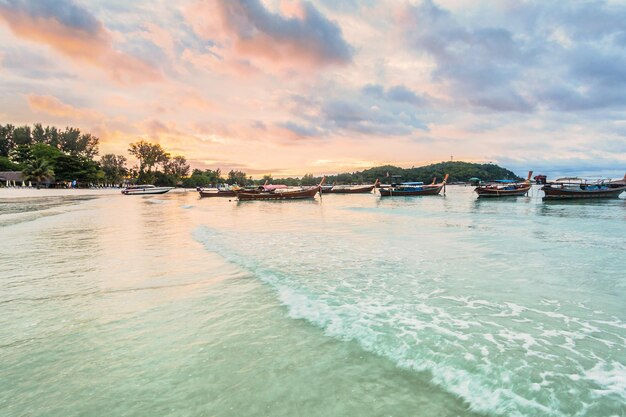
<point x="141" y="186"/>
<point x="505" y="181"/>
<point x="412" y="183"/>
<point x="273" y="187"/>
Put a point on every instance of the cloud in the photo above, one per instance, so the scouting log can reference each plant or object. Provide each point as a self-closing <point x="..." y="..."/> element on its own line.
<point x="523" y="57"/>
<point x="398" y="93"/>
<point x="369" y="120"/>
<point x="301" y="131"/>
<point x="305" y="37"/>
<point x="53" y="106"/>
<point x="72" y="31"/>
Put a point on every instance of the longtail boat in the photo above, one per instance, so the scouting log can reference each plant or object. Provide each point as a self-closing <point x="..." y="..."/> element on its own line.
<point x="350" y="189"/>
<point x="281" y="193"/>
<point x="505" y="188"/>
<point x="413" y="188"/>
<point x="570" y="188"/>
<point x="217" y="193"/>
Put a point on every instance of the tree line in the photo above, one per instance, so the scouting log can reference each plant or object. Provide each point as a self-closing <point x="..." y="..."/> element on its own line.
<point x="52" y="155"/>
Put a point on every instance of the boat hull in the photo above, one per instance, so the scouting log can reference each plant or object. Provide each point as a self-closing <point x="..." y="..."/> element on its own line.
<point x="355" y="190"/>
<point x="274" y="196"/>
<point x="387" y="192"/>
<point x="147" y="191"/>
<point x="220" y="193"/>
<point x="493" y="192"/>
<point x="564" y="193"/>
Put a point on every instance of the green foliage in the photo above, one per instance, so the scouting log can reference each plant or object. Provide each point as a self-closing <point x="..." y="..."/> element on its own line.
<point x="204" y="178"/>
<point x="22" y="136"/>
<point x="177" y="167"/>
<point x="114" y="168"/>
<point x="149" y="155"/>
<point x="71" y="140"/>
<point x="237" y="177"/>
<point x="38" y="170"/>
<point x="6" y="139"/>
<point x="79" y="168"/>
<point x="7" y="165"/>
<point x="458" y="171"/>
<point x="162" y="179"/>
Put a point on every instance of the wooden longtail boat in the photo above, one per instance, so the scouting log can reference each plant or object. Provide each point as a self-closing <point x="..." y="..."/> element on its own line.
<point x="413" y="189"/>
<point x="505" y="188"/>
<point x="234" y="189"/>
<point x="217" y="193"/>
<point x="570" y="188"/>
<point x="281" y="193"/>
<point x="350" y="189"/>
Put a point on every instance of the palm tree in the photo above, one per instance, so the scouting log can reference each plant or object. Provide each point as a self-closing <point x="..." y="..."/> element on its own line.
<point x="38" y="171"/>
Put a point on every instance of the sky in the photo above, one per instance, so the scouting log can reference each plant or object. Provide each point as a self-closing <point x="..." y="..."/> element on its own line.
<point x="287" y="87"/>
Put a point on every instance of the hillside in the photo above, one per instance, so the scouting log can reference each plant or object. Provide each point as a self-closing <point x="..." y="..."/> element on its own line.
<point x="459" y="171"/>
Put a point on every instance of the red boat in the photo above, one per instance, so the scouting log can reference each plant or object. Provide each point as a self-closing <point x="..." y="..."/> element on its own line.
<point x="505" y="188"/>
<point x="571" y="188"/>
<point x="413" y="189"/>
<point x="350" y="189"/>
<point x="281" y="193"/>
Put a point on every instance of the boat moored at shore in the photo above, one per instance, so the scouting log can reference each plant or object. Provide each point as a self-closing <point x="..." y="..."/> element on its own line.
<point x="505" y="188"/>
<point x="350" y="189"/>
<point x="280" y="192"/>
<point x="575" y="188"/>
<point x="410" y="189"/>
<point x="145" y="189"/>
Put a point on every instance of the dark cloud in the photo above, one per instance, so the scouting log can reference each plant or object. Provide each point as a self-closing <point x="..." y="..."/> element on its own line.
<point x="302" y="130"/>
<point x="398" y="93"/>
<point x="370" y="120"/>
<point x="66" y="12"/>
<point x="313" y="36"/>
<point x="560" y="56"/>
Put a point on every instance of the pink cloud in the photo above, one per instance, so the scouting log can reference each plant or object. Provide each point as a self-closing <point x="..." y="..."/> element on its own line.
<point x="53" y="106"/>
<point x="304" y="38"/>
<point x="79" y="37"/>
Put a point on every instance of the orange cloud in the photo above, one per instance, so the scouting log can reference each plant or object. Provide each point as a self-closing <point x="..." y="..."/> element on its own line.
<point x="55" y="107"/>
<point x="90" y="44"/>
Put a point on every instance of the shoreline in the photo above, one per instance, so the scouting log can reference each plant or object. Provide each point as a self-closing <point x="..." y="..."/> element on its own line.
<point x="17" y="192"/>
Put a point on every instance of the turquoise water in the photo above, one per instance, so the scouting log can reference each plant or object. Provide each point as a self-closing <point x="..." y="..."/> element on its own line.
<point x="350" y="305"/>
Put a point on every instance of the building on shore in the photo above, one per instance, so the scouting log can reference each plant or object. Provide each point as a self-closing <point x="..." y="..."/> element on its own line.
<point x="11" y="178"/>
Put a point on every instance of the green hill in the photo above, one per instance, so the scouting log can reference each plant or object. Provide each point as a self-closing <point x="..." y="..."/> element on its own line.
<point x="459" y="171"/>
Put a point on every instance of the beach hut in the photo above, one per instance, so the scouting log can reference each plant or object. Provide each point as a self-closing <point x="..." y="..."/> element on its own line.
<point x="11" y="177"/>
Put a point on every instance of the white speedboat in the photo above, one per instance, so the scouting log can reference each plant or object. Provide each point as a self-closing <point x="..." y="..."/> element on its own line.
<point x="145" y="189"/>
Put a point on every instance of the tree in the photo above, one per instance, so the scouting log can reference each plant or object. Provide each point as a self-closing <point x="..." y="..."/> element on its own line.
<point x="114" y="167"/>
<point x="25" y="154"/>
<point x="76" y="167"/>
<point x="7" y="165"/>
<point x="237" y="177"/>
<point x="148" y="154"/>
<point x="22" y="136"/>
<point x="73" y="142"/>
<point x="308" y="179"/>
<point x="177" y="167"/>
<point x="201" y="178"/>
<point x="38" y="171"/>
<point x="6" y="139"/>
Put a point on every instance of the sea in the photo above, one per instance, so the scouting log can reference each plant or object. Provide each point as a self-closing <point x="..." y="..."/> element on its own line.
<point x="346" y="305"/>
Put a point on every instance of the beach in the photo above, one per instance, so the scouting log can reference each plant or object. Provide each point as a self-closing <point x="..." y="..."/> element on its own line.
<point x="172" y="305"/>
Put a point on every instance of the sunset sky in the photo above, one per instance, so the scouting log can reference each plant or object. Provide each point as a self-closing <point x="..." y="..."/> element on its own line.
<point x="290" y="87"/>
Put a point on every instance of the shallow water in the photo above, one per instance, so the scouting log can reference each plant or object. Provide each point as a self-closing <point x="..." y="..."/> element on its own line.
<point x="349" y="305"/>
